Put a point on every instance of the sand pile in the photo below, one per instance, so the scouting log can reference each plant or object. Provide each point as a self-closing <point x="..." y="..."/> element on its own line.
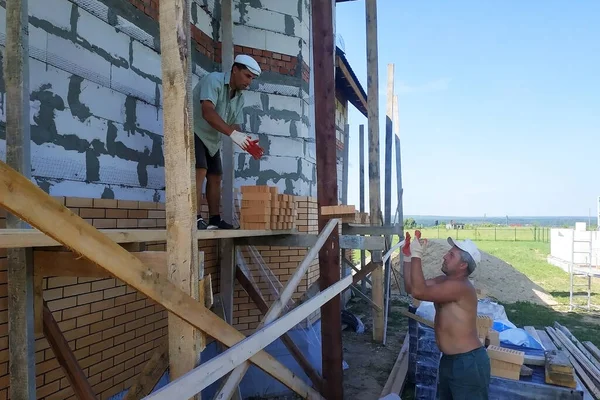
<point x="496" y="278"/>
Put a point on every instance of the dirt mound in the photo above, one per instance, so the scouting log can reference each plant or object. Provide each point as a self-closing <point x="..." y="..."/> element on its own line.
<point x="496" y="278"/>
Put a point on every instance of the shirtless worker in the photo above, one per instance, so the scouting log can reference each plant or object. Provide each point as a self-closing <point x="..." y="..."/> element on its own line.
<point x="218" y="101"/>
<point x="464" y="370"/>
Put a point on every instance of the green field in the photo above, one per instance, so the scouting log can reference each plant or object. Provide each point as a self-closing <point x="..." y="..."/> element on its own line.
<point x="502" y="233"/>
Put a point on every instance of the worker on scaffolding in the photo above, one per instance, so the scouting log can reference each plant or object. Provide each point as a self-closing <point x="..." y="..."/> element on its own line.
<point x="464" y="370"/>
<point x="218" y="102"/>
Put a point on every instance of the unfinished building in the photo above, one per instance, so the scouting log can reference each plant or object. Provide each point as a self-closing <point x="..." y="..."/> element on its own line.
<point x="97" y="119"/>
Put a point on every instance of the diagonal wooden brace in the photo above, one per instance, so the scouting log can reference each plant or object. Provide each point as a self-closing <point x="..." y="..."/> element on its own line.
<point x="30" y="203"/>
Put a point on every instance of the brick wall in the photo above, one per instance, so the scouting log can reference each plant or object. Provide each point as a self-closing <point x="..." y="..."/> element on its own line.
<point x="112" y="328"/>
<point x="203" y="43"/>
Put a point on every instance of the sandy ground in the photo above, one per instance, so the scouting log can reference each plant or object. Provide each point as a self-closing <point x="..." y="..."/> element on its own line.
<point x="370" y="363"/>
<point x="496" y="278"/>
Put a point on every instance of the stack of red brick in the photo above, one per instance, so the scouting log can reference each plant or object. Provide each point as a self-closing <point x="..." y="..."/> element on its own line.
<point x="264" y="208"/>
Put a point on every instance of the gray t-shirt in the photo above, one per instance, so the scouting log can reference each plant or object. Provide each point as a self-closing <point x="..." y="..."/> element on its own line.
<point x="215" y="87"/>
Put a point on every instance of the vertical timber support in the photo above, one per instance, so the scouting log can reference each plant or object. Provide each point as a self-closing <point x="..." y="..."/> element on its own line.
<point x="361" y="155"/>
<point x="21" y="337"/>
<point x="327" y="193"/>
<point x="226" y="246"/>
<point x="345" y="164"/>
<point x="181" y="202"/>
<point x="400" y="210"/>
<point x="388" y="188"/>
<point x="374" y="168"/>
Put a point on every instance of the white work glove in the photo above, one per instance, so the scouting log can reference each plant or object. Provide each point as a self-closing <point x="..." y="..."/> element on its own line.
<point x="247" y="144"/>
<point x="241" y="139"/>
<point x="417" y="248"/>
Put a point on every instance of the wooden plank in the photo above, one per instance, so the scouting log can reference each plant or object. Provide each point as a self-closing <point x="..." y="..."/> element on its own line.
<point x="359" y="229"/>
<point x="227" y="249"/>
<point x="32" y="204"/>
<point x="278" y="305"/>
<point x="309" y="240"/>
<point x="185" y="341"/>
<point x="262" y="306"/>
<point x="374" y="169"/>
<point x="327" y="193"/>
<point x="215" y="368"/>
<point x="153" y="370"/>
<point x="20" y="288"/>
<point x="417" y="318"/>
<point x="66" y="263"/>
<point x="591" y="347"/>
<point x="399" y="189"/>
<point x="16" y="238"/>
<point x="395" y="382"/>
<point x="66" y="358"/>
<point x="38" y="300"/>
<point x="352" y="82"/>
<point x="545" y="340"/>
<point x="361" y="151"/>
<point x="345" y="164"/>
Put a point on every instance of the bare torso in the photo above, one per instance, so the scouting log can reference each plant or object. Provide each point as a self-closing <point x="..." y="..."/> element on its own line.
<point x="456" y="323"/>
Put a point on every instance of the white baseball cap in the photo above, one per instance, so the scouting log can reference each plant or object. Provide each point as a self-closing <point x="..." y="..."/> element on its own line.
<point x="470" y="247"/>
<point x="249" y="62"/>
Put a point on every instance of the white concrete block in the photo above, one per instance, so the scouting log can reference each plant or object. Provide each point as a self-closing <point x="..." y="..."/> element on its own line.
<point x="127" y="81"/>
<point x="286" y="146"/>
<point x="3" y="150"/>
<point x="303" y="188"/>
<point x="93" y="128"/>
<point x="149" y="117"/>
<point x="95" y="190"/>
<point x="73" y="58"/>
<point x="251" y="37"/>
<point x="205" y="21"/>
<point x="305" y="51"/>
<point x="136" y="141"/>
<point x="280" y="164"/>
<point x="57" y="12"/>
<point x="146" y="60"/>
<point x="308" y="168"/>
<point x="303" y="129"/>
<point x="116" y="171"/>
<point x="311" y="151"/>
<point x="289" y="7"/>
<point x="100" y="34"/>
<point x="283" y="44"/>
<point x="3" y="24"/>
<point x="269" y="125"/>
<point x="51" y="161"/>
<point x="260" y="18"/>
<point x="41" y="74"/>
<point x="274" y="88"/>
<point x="38" y="43"/>
<point x="103" y="102"/>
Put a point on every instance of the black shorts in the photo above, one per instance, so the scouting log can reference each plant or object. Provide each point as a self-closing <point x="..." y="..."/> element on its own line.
<point x="205" y="161"/>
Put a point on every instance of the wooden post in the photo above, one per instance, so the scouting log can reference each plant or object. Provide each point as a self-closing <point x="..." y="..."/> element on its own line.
<point x="388" y="189"/>
<point x="227" y="248"/>
<point x="21" y="337"/>
<point x="374" y="169"/>
<point x="181" y="202"/>
<point x="345" y="164"/>
<point x="361" y="151"/>
<point x="399" y="189"/>
<point x="327" y="193"/>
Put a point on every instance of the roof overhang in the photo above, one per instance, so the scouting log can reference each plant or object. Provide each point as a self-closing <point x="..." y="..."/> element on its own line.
<point x="346" y="80"/>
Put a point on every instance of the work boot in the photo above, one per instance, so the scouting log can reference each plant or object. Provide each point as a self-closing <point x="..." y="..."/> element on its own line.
<point x="217" y="223"/>
<point x="202" y="225"/>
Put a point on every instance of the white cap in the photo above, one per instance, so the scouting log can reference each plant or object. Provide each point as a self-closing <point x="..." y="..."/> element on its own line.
<point x="249" y="62"/>
<point x="470" y="247"/>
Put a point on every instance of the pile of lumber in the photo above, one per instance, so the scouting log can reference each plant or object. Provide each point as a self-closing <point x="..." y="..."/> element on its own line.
<point x="583" y="357"/>
<point x="263" y="208"/>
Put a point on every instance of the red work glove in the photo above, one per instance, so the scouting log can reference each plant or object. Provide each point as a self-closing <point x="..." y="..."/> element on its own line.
<point x="406" y="247"/>
<point x="247" y="144"/>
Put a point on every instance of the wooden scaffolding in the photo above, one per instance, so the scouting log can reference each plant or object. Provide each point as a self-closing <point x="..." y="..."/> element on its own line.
<point x="64" y="244"/>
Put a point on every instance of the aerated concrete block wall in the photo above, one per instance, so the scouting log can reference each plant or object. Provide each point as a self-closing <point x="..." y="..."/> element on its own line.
<point x="96" y="94"/>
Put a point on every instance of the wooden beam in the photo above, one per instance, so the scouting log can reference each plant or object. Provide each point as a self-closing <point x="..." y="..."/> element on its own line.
<point x="16" y="238"/>
<point x="278" y="305"/>
<point x="226" y="247"/>
<point x="180" y="177"/>
<point x="23" y="198"/>
<point x="345" y="164"/>
<point x="66" y="358"/>
<point x="352" y="82"/>
<point x="388" y="191"/>
<point x="153" y="370"/>
<point x="309" y="240"/>
<point x="215" y="368"/>
<point x="66" y="263"/>
<point x="374" y="169"/>
<point x="262" y="306"/>
<point x="395" y="382"/>
<point x="327" y="192"/>
<point x="361" y="151"/>
<point x="21" y="309"/>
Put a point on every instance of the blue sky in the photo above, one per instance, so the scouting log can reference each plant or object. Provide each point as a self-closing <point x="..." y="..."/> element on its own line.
<point x="499" y="103"/>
